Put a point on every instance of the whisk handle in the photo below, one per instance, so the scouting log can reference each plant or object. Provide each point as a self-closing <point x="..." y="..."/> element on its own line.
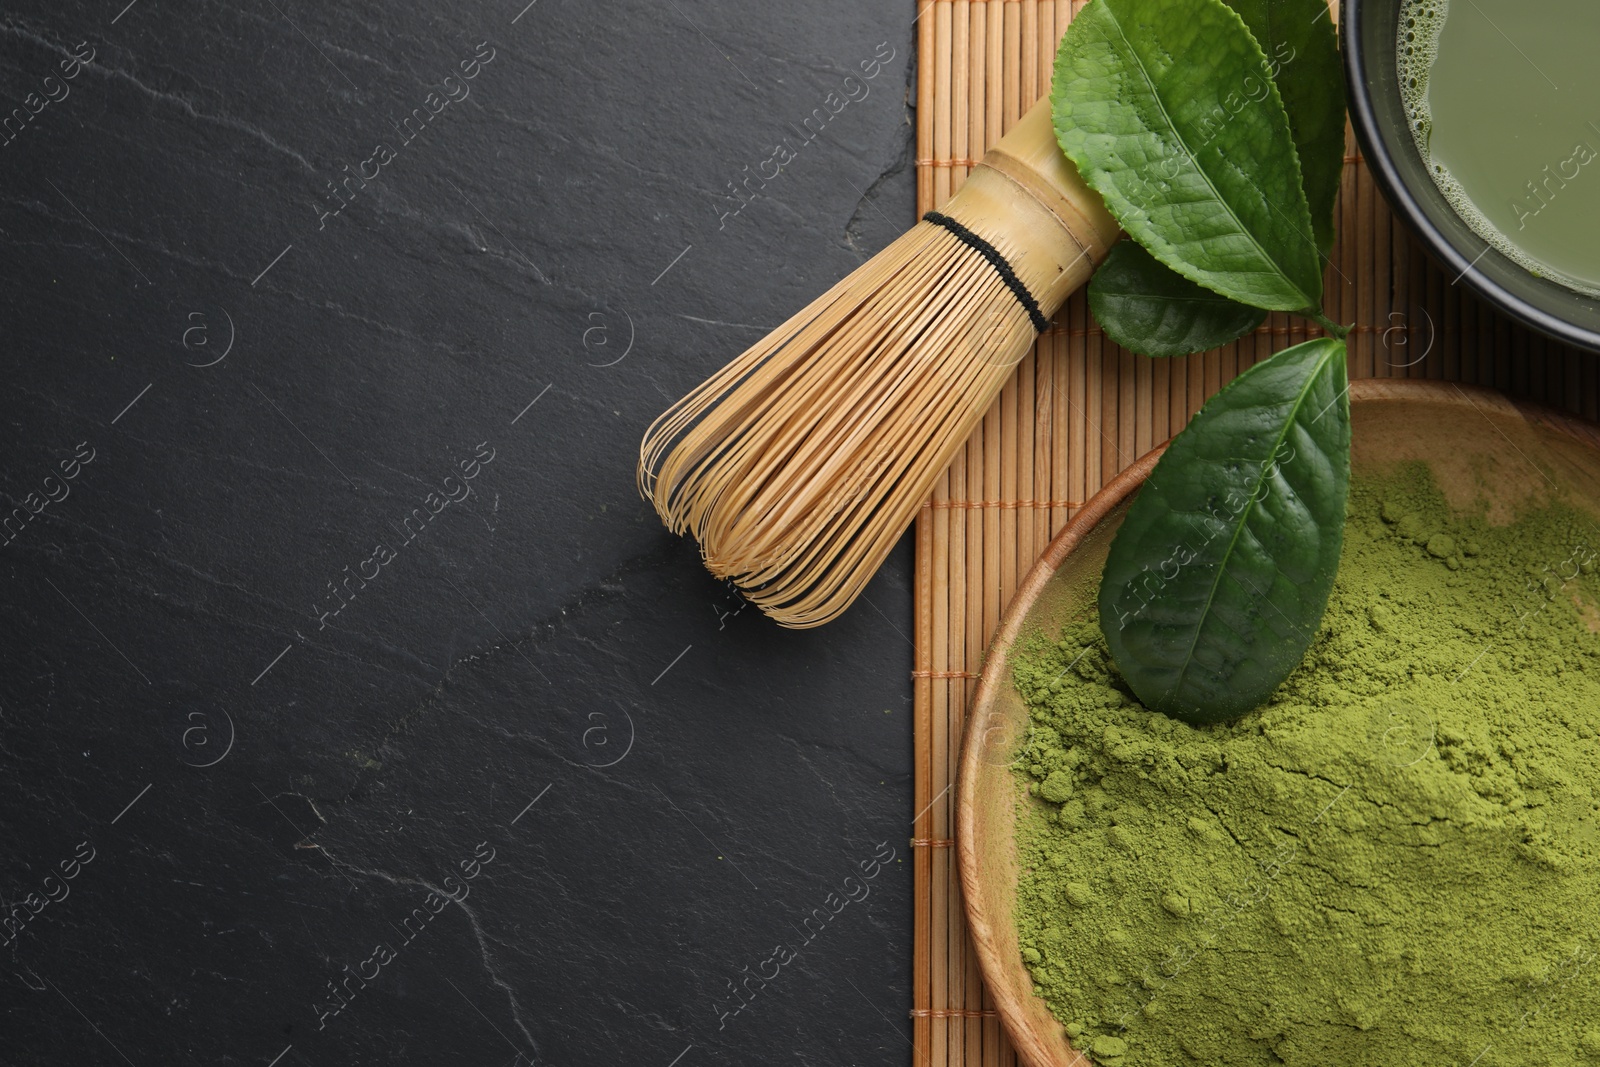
<point x="1027" y="200"/>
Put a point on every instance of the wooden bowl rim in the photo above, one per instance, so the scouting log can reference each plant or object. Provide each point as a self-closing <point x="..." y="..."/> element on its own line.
<point x="996" y="666"/>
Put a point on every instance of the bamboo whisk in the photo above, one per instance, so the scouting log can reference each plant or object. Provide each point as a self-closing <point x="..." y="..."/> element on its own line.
<point x="798" y="465"/>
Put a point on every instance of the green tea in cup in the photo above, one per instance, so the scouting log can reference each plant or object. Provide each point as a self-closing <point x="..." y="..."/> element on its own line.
<point x="1503" y="100"/>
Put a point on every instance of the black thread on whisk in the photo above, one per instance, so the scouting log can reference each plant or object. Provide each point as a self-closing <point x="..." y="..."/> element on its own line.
<point x="998" y="262"/>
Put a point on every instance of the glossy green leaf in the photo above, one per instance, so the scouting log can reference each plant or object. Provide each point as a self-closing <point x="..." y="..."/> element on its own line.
<point x="1147" y="307"/>
<point x="1217" y="580"/>
<point x="1163" y="108"/>
<point x="1298" y="39"/>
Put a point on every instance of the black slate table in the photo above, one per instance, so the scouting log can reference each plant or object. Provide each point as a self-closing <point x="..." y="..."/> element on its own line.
<point x="354" y="709"/>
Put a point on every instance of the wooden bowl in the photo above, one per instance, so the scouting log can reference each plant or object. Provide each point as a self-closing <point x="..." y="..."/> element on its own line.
<point x="1485" y="451"/>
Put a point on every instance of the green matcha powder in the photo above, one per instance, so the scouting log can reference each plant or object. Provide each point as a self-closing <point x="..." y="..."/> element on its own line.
<point x="1394" y="863"/>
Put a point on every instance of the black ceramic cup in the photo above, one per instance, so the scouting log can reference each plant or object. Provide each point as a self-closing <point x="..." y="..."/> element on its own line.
<point x="1368" y="31"/>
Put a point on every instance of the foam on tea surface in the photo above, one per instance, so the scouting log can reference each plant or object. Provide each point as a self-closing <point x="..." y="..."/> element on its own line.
<point x="1533" y="93"/>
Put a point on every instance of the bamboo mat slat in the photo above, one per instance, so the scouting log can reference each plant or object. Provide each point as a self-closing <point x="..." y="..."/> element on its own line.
<point x="1079" y="410"/>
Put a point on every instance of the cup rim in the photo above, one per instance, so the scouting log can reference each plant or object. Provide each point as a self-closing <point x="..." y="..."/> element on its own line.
<point x="1379" y="154"/>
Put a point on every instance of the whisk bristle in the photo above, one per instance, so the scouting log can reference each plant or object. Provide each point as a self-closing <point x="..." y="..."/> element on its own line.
<point x="799" y="464"/>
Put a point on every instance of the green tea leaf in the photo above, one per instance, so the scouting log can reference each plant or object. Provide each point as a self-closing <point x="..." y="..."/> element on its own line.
<point x="1149" y="101"/>
<point x="1147" y="307"/>
<point x="1302" y="53"/>
<point x="1218" y="578"/>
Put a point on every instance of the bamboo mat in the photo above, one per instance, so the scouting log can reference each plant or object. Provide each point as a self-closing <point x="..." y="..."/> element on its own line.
<point x="1079" y="410"/>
